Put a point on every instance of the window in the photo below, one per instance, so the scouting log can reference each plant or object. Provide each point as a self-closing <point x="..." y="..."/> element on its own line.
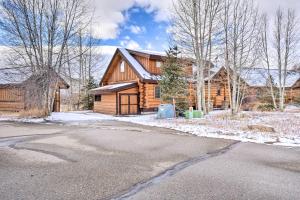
<point x="122" y="66"/>
<point x="157" y="92"/>
<point x="158" y="64"/>
<point x="98" y="97"/>
<point x="219" y="91"/>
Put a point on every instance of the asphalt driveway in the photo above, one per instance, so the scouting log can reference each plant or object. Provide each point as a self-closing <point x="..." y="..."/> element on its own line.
<point x="118" y="160"/>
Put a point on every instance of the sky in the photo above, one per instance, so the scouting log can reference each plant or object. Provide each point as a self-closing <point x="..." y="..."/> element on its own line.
<point x="143" y="24"/>
<point x="140" y="30"/>
<point x="134" y="24"/>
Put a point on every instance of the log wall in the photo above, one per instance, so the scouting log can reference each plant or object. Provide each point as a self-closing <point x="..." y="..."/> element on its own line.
<point x="11" y="99"/>
<point x="149" y="96"/>
<point x="107" y="105"/>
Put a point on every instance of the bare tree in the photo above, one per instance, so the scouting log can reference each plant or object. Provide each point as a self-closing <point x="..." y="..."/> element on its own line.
<point x="39" y="32"/>
<point x="194" y="29"/>
<point x="80" y="71"/>
<point x="266" y="55"/>
<point x="241" y="42"/>
<point x="285" y="44"/>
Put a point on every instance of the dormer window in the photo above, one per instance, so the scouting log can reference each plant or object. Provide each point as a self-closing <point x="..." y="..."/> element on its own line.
<point x="122" y="66"/>
<point x="158" y="64"/>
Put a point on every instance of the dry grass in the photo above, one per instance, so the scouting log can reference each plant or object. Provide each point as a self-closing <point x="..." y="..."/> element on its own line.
<point x="33" y="113"/>
<point x="8" y="114"/>
<point x="284" y="123"/>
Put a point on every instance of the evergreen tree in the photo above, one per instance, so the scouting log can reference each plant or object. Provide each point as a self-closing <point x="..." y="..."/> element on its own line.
<point x="88" y="99"/>
<point x="173" y="83"/>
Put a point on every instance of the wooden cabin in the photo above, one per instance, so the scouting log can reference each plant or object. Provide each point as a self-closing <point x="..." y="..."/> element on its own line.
<point x="130" y="83"/>
<point x="15" y="93"/>
<point x="255" y="81"/>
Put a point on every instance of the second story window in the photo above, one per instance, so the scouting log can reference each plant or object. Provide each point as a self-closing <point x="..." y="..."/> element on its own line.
<point x="122" y="66"/>
<point x="157" y="92"/>
<point x="158" y="64"/>
<point x="219" y="91"/>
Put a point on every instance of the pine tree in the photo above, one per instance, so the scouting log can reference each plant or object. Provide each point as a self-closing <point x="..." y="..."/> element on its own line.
<point x="87" y="100"/>
<point x="173" y="83"/>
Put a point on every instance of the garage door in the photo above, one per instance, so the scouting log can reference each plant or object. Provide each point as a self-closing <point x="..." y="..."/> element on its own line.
<point x="129" y="104"/>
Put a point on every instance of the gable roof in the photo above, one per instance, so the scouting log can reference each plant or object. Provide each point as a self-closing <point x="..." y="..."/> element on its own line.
<point x="140" y="71"/>
<point x="258" y="77"/>
<point x="149" y="54"/>
<point x="13" y="76"/>
<point x="18" y="75"/>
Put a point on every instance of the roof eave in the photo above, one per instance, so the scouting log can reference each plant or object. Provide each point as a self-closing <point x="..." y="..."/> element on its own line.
<point x="107" y="91"/>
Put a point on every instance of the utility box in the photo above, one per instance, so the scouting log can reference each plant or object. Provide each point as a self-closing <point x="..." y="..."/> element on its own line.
<point x="166" y="111"/>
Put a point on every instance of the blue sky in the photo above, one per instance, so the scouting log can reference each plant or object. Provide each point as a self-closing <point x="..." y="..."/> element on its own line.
<point x="140" y="30"/>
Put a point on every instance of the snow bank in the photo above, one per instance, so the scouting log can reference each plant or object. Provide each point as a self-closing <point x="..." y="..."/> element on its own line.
<point x="78" y="116"/>
<point x="218" y="124"/>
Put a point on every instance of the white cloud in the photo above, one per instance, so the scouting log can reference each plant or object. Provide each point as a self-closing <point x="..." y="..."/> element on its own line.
<point x="127" y="37"/>
<point x="137" y="29"/>
<point x="130" y="44"/>
<point x="109" y="14"/>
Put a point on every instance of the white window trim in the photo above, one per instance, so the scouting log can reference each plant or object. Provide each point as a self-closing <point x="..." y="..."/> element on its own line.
<point x="122" y="66"/>
<point x="158" y="64"/>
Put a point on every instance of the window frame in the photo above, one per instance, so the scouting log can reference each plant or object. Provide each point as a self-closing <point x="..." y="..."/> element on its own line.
<point x="98" y="98"/>
<point x="219" y="91"/>
<point x="155" y="92"/>
<point x="158" y="64"/>
<point x="122" y="66"/>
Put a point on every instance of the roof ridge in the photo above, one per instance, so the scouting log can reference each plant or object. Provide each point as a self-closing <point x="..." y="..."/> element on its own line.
<point x="292" y="70"/>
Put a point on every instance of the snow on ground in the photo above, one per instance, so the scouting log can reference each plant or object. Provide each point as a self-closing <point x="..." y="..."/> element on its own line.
<point x="218" y="124"/>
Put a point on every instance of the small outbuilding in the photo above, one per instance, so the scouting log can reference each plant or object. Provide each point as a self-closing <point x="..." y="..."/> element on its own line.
<point x="14" y="90"/>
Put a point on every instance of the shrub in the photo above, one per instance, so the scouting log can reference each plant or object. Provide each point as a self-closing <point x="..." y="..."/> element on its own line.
<point x="266" y="107"/>
<point x="181" y="105"/>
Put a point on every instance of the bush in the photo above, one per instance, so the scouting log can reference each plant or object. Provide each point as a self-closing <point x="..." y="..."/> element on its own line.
<point x="266" y="107"/>
<point x="181" y="105"/>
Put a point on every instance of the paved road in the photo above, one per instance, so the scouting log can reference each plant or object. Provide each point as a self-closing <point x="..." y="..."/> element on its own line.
<point x="117" y="160"/>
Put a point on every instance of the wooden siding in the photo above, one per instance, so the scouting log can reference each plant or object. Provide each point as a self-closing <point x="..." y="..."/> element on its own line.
<point x="130" y="91"/>
<point x="192" y="95"/>
<point x="107" y="105"/>
<point x="11" y="99"/>
<point x="218" y="100"/>
<point x="56" y="103"/>
<point x="150" y="65"/>
<point x="114" y="74"/>
<point x="292" y="95"/>
<point x="149" y="96"/>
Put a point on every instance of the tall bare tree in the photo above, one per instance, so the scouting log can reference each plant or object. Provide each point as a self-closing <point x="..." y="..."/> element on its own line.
<point x="194" y="30"/>
<point x="286" y="39"/>
<point x="39" y="31"/>
<point x="265" y="37"/>
<point x="241" y="45"/>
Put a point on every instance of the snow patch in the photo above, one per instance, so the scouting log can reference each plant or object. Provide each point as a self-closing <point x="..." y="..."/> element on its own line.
<point x="218" y="124"/>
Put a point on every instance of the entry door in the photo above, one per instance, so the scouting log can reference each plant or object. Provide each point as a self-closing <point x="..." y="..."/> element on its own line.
<point x="129" y="104"/>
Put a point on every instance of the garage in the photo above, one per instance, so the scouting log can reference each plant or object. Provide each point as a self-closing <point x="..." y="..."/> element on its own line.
<point x="117" y="99"/>
<point x="128" y="104"/>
